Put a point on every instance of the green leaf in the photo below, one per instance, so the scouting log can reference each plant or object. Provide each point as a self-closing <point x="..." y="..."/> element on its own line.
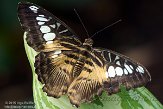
<point x="139" y="98"/>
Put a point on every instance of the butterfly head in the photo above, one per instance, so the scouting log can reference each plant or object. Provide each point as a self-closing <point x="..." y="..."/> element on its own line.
<point x="88" y="42"/>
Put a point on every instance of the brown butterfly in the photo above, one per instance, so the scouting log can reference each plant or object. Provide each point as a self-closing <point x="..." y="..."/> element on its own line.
<point x="67" y="66"/>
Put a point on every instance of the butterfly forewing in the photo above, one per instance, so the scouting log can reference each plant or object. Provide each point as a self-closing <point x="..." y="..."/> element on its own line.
<point x="54" y="40"/>
<point x="44" y="30"/>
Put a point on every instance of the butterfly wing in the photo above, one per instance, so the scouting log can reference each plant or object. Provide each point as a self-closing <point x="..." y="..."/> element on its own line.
<point x="54" y="40"/>
<point x="121" y="70"/>
<point x="54" y="70"/>
<point x="45" y="32"/>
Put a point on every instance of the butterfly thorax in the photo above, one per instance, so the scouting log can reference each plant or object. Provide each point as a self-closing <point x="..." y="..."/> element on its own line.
<point x="88" y="44"/>
<point x="82" y="57"/>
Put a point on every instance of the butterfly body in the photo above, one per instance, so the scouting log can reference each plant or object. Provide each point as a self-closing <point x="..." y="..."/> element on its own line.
<point x="65" y="65"/>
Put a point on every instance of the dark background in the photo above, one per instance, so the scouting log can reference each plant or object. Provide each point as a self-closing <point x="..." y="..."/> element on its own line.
<point x="139" y="36"/>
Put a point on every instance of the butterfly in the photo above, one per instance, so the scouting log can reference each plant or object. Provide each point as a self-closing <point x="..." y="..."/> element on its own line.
<point x="66" y="65"/>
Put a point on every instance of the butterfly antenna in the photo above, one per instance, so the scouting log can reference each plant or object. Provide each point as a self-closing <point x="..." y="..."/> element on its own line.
<point x="82" y="23"/>
<point x="105" y="28"/>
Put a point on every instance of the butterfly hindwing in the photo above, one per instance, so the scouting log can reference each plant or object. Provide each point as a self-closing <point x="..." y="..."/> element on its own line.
<point x="121" y="70"/>
<point x="84" y="87"/>
<point x="44" y="30"/>
<point x="54" y="70"/>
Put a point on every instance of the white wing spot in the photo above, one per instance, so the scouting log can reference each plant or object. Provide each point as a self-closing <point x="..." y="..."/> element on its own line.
<point x="53" y="26"/>
<point x="64" y="31"/>
<point x="119" y="71"/>
<point x="49" y="42"/>
<point x="116" y="58"/>
<point x="109" y="57"/>
<point x="34" y="8"/>
<point x="57" y="52"/>
<point x="106" y="74"/>
<point x="41" y="23"/>
<point x="131" y="67"/>
<point x="54" y="56"/>
<point x="49" y="36"/>
<point x="118" y="63"/>
<point x="42" y="19"/>
<point x="137" y="70"/>
<point x="128" y="68"/>
<point x="41" y="15"/>
<point x="126" y="72"/>
<point x="111" y="71"/>
<point x="140" y="69"/>
<point x="58" y="25"/>
<point x="45" y="29"/>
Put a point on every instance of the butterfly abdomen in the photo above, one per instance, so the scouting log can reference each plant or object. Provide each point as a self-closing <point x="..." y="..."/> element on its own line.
<point x="80" y="64"/>
<point x="77" y="68"/>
